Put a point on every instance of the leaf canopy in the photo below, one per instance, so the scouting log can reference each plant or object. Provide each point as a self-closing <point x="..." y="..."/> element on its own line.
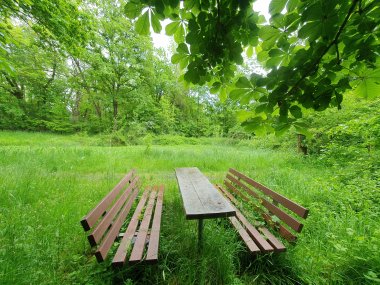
<point x="310" y="51"/>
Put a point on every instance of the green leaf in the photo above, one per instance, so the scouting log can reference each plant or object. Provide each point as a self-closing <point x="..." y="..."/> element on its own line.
<point x="142" y="24"/>
<point x="311" y="30"/>
<point x="292" y="4"/>
<point x="177" y="57"/>
<point x="262" y="56"/>
<point x="244" y="115"/>
<point x="183" y="62"/>
<point x="267" y="32"/>
<point x="171" y="28"/>
<point x="273" y="62"/>
<point x="275" y="52"/>
<point x="215" y="87"/>
<point x="190" y="4"/>
<point x="269" y="35"/>
<point x="276" y="6"/>
<point x="281" y="128"/>
<point x="249" y="51"/>
<point x="223" y="95"/>
<point x="192" y="75"/>
<point x="179" y="35"/>
<point x="182" y="48"/>
<point x="368" y="89"/>
<point x="261" y="107"/>
<point x="302" y="129"/>
<point x="133" y="9"/>
<point x="156" y="25"/>
<point x="295" y="111"/>
<point x="237" y="93"/>
<point x="243" y="82"/>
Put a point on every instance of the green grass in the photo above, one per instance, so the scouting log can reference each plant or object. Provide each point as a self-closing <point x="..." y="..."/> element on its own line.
<point x="48" y="183"/>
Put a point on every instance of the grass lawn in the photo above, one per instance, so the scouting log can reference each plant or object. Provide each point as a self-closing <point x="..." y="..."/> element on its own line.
<point x="49" y="182"/>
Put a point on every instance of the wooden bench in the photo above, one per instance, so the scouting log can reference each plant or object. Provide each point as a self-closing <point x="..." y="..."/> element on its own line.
<point x="111" y="214"/>
<point x="277" y="211"/>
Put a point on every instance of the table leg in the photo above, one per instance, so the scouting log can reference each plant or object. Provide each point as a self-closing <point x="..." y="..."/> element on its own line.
<point x="200" y="235"/>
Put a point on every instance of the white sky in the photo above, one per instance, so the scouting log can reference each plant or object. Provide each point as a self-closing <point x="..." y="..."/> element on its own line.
<point x="163" y="41"/>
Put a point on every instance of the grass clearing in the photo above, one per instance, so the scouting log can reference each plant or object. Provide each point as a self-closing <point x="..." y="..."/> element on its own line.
<point x="49" y="182"/>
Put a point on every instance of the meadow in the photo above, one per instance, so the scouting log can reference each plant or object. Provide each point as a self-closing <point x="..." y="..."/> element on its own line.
<point x="49" y="182"/>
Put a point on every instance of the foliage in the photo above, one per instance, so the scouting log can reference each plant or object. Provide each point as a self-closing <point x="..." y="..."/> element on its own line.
<point x="59" y="21"/>
<point x="116" y="84"/>
<point x="312" y="52"/>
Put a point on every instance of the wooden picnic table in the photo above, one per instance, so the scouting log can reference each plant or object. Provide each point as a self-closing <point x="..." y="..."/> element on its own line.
<point x="200" y="198"/>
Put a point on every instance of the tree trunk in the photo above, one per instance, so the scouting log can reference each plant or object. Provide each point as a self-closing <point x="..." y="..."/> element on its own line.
<point x="301" y="147"/>
<point x="115" y="112"/>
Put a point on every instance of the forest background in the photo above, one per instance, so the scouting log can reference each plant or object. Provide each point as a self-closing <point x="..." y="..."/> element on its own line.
<point x="86" y="73"/>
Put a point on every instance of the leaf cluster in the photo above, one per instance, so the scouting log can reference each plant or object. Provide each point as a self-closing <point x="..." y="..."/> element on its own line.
<point x="311" y="52"/>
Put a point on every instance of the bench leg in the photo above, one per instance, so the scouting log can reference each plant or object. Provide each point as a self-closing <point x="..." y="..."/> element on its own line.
<point x="200" y="235"/>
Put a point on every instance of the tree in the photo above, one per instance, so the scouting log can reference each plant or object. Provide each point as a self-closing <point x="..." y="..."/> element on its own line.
<point x="35" y="89"/>
<point x="58" y="22"/>
<point x="312" y="52"/>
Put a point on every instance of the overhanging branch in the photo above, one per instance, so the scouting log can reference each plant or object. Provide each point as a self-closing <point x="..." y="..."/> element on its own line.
<point x="333" y="42"/>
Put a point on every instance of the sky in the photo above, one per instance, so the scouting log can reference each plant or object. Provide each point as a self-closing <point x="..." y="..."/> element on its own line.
<point x="163" y="41"/>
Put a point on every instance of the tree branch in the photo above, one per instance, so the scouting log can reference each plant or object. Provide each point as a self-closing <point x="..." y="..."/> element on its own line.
<point x="334" y="41"/>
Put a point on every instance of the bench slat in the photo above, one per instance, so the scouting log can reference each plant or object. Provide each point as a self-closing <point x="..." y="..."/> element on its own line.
<point x="285" y="217"/>
<point x="152" y="252"/>
<point x="228" y="195"/>
<point x="294" y="207"/>
<point x="121" y="253"/>
<point x="253" y="233"/>
<point x="138" y="248"/>
<point x="278" y="245"/>
<point x="110" y="237"/>
<point x="253" y="248"/>
<point x="236" y="191"/>
<point x="90" y="219"/>
<point x="284" y="232"/>
<point x="106" y="222"/>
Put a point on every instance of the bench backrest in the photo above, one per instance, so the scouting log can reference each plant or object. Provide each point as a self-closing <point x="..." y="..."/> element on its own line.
<point x="106" y="219"/>
<point x="268" y="204"/>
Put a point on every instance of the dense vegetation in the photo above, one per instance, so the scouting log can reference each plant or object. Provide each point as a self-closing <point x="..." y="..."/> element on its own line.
<point x="49" y="182"/>
<point x="116" y="83"/>
<point x="312" y="52"/>
<point x="88" y="72"/>
<point x="71" y="67"/>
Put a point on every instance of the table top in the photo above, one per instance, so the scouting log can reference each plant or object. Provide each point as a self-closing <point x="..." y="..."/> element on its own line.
<point x="200" y="198"/>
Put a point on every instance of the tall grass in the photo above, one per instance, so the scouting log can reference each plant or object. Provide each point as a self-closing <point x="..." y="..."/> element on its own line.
<point x="49" y="183"/>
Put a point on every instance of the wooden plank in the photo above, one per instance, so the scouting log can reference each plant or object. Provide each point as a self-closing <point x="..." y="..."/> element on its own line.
<point x="228" y="195"/>
<point x="289" y="220"/>
<point x="242" y="185"/>
<point x="285" y="217"/>
<point x="294" y="207"/>
<point x="236" y="191"/>
<point x="253" y="248"/>
<point x="253" y="233"/>
<point x="121" y="253"/>
<point x="284" y="232"/>
<point x="278" y="245"/>
<point x="112" y="234"/>
<point x="90" y="219"/>
<point x="200" y="198"/>
<point x="152" y="252"/>
<point x="138" y="248"/>
<point x="106" y="222"/>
